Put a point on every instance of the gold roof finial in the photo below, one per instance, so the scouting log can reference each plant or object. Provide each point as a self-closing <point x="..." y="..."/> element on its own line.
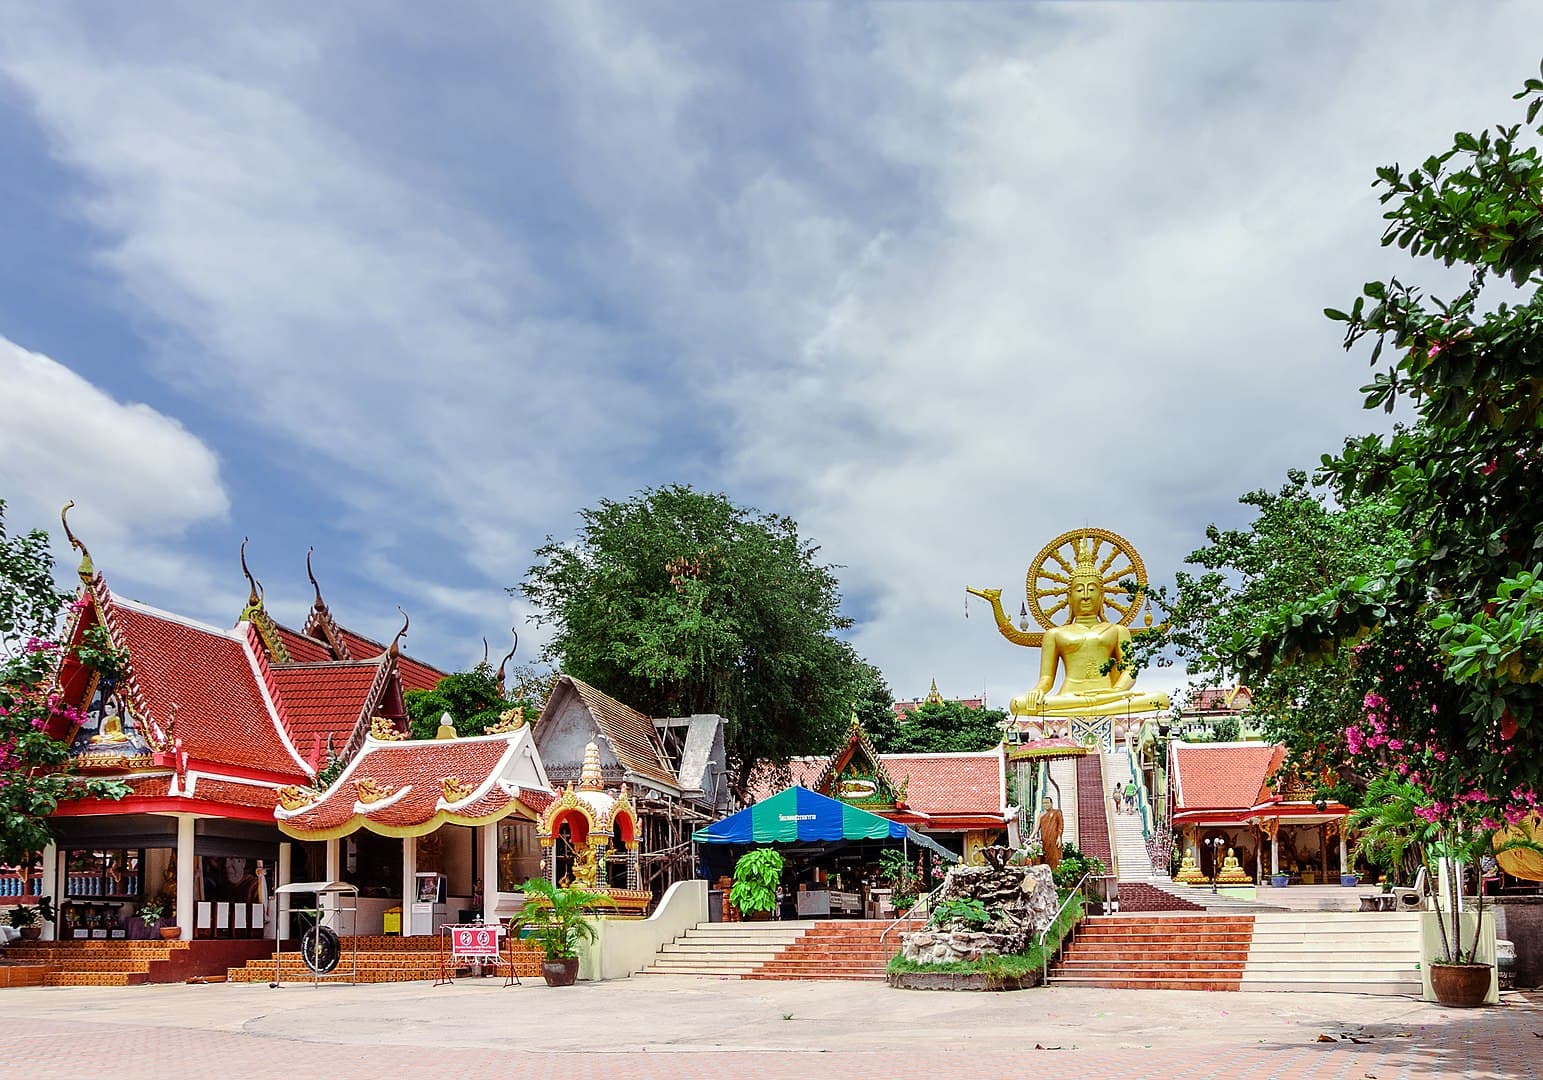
<point x="319" y="604"/>
<point x="1087" y="562"/>
<point x="933" y="697"/>
<point x="86" y="570"/>
<point x="396" y="642"/>
<point x="255" y="594"/>
<point x="589" y="775"/>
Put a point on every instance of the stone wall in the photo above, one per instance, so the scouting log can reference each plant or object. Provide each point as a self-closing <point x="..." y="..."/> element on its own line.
<point x="1020" y="900"/>
<point x="1519" y="920"/>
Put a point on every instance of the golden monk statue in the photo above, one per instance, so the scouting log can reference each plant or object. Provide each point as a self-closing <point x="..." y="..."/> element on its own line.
<point x="1051" y="827"/>
<point x="1087" y="642"/>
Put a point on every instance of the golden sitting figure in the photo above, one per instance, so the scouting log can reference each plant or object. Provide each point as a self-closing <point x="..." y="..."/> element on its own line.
<point x="1084" y="644"/>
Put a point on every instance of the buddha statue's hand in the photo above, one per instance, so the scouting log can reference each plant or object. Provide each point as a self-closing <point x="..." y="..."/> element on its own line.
<point x="1034" y="698"/>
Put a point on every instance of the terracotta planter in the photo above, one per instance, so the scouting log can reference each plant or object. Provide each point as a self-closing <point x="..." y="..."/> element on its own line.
<point x="560" y="972"/>
<point x="1462" y="986"/>
<point x="170" y="933"/>
<point x="30" y="933"/>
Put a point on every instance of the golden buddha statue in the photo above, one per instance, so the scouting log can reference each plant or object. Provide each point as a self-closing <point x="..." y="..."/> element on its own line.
<point x="584" y="870"/>
<point x="1232" y="872"/>
<point x="111" y="732"/>
<point x="1088" y="641"/>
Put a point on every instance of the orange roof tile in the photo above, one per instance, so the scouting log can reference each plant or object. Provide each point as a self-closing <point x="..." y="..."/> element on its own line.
<point x="951" y="783"/>
<point x="1223" y="776"/>
<point x="323" y="701"/>
<point x="204" y="677"/>
<point x="416" y="675"/>
<point x="303" y="649"/>
<point x="235" y="794"/>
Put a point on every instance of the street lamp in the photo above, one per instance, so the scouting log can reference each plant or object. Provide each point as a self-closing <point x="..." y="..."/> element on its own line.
<point x="1216" y="843"/>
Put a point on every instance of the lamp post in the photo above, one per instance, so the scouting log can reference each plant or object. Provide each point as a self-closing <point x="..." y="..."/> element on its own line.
<point x="1215" y="843"/>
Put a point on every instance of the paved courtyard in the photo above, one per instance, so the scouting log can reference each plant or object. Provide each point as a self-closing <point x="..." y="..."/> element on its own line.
<point x="681" y="1029"/>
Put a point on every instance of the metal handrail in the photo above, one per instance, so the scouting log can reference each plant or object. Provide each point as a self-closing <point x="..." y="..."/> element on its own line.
<point x="920" y="900"/>
<point x="1141" y="792"/>
<point x="1043" y="955"/>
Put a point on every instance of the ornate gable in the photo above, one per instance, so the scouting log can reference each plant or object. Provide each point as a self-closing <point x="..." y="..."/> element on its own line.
<point x="855" y="775"/>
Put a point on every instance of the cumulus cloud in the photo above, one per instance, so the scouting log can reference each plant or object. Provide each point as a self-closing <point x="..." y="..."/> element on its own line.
<point x="139" y="478"/>
<point x="940" y="281"/>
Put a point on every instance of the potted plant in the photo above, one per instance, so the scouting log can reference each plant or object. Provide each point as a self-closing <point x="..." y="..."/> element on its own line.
<point x="557" y="922"/>
<point x="1279" y="881"/>
<point x="152" y="912"/>
<point x="28" y="919"/>
<point x="756" y="877"/>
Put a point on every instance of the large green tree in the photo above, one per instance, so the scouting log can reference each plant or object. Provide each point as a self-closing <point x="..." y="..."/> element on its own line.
<point x="34" y="767"/>
<point x="678" y="601"/>
<point x="475" y="699"/>
<point x="1297" y="544"/>
<point x="943" y="727"/>
<point x="1451" y="634"/>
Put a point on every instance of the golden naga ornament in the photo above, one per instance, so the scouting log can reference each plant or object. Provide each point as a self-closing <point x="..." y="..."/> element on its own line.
<point x="384" y="730"/>
<point x="455" y="789"/>
<point x="295" y="798"/>
<point x="1080" y="572"/>
<point x="370" y="791"/>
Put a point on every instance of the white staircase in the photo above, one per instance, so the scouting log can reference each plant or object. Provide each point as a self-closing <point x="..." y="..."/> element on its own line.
<point x="1131" y="858"/>
<point x="1343" y="952"/>
<point x="727" y="950"/>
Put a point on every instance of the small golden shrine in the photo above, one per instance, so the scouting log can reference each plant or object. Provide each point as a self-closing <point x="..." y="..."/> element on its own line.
<point x="590" y="839"/>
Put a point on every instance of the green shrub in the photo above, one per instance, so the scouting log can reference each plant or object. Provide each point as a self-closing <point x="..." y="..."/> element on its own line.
<point x="756" y="877"/>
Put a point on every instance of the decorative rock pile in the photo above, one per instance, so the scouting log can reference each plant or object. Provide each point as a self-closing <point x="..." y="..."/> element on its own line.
<point x="1020" y="900"/>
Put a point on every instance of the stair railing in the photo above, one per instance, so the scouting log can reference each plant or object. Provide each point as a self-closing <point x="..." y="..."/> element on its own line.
<point x="1044" y="954"/>
<point x="920" y="900"/>
<point x="1142" y="801"/>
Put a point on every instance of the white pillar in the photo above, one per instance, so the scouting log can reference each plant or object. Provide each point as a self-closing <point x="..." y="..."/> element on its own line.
<point x="1275" y="851"/>
<point x="281" y="900"/>
<point x="489" y="873"/>
<point x="1344" y="852"/>
<point x="50" y="885"/>
<point x="409" y="882"/>
<point x="187" y="878"/>
<point x="334" y="873"/>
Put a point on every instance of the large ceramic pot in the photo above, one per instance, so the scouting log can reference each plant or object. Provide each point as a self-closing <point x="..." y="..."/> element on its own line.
<point x="170" y="933"/>
<point x="1462" y="986"/>
<point x="560" y="972"/>
<point x="31" y="933"/>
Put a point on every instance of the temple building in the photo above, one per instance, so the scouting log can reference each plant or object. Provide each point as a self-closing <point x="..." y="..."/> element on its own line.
<point x="934" y="697"/>
<point x="958" y="800"/>
<point x="225" y="738"/>
<point x="1230" y="791"/>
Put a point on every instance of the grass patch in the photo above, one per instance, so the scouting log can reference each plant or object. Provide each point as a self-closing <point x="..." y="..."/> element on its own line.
<point x="1014" y="966"/>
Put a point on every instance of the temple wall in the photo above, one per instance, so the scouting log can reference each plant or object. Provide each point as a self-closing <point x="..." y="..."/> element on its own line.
<point x="623" y="947"/>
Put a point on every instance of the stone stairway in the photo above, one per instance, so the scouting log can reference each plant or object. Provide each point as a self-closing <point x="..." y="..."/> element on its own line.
<point x="381" y="960"/>
<point x="1343" y="952"/>
<point x="98" y="963"/>
<point x="726" y="950"/>
<point x="1130" y="844"/>
<point x="849" y="950"/>
<point x="1157" y="952"/>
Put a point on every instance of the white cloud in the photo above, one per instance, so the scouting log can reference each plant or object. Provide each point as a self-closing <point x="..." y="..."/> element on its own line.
<point x="139" y="478"/>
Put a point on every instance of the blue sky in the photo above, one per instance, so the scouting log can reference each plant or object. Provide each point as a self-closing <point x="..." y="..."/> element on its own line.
<point x="938" y="280"/>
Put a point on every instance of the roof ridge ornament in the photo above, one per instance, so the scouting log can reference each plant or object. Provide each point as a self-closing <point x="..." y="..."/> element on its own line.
<point x="319" y="604"/>
<point x="396" y="643"/>
<point x="256" y="614"/>
<point x="86" y="569"/>
<point x="504" y="663"/>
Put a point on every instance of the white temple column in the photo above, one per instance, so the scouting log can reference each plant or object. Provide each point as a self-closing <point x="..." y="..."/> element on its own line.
<point x="409" y="882"/>
<point x="50" y="885"/>
<point x="286" y="870"/>
<point x="1344" y="852"/>
<point x="489" y="873"/>
<point x="334" y="864"/>
<point x="1275" y="850"/>
<point x="187" y="878"/>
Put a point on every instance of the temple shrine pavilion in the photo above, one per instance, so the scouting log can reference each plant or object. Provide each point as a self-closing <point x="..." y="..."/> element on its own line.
<point x="221" y="735"/>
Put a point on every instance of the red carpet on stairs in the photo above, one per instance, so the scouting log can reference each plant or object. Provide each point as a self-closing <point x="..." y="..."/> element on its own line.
<point x="1136" y="896"/>
<point x="1092" y="821"/>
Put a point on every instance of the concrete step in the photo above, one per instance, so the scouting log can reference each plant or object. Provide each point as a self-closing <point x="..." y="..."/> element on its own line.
<point x="1143" y="983"/>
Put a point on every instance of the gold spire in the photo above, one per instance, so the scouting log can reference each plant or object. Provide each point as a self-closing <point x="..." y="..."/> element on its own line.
<point x="933" y="697"/>
<point x="85" y="570"/>
<point x="589" y="775"/>
<point x="446" y="727"/>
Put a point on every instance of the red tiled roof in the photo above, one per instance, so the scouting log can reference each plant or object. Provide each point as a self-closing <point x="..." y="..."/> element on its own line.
<point x="235" y="794"/>
<point x="322" y="700"/>
<point x="303" y="649"/>
<point x="939" y="784"/>
<point x="414" y="772"/>
<point x="147" y="787"/>
<point x="1220" y="699"/>
<point x="205" y="678"/>
<point x="1223" y="776"/>
<point x="950" y="783"/>
<point x="416" y="675"/>
<point x="631" y="736"/>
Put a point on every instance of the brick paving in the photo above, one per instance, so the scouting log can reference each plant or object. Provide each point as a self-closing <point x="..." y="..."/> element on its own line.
<point x="424" y="1035"/>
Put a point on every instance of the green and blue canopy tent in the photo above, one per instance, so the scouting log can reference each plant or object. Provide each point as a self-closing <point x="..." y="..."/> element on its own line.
<point x="798" y="816"/>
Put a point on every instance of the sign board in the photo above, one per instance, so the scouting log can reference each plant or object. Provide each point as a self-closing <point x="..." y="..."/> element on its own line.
<point x="474" y="942"/>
